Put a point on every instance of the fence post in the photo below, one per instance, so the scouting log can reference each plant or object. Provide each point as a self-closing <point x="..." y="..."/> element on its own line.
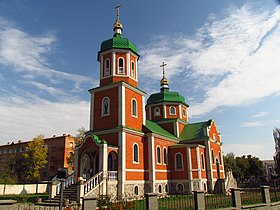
<point x="236" y="198"/>
<point x="151" y="201"/>
<point x="265" y="195"/>
<point x="89" y="203"/>
<point x="199" y="200"/>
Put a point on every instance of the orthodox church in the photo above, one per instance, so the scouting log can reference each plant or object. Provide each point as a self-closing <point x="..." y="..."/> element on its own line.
<point x="135" y="147"/>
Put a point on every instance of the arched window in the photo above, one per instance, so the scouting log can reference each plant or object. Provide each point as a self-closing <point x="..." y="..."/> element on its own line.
<point x="107" y="67"/>
<point x="158" y="155"/>
<point x="205" y="187"/>
<point x="135" y="153"/>
<point x="180" y="188"/>
<point x="136" y="190"/>
<point x="105" y="106"/>
<point x="213" y="157"/>
<point x="178" y="162"/>
<point x="159" y="188"/>
<point x="214" y="137"/>
<point x="184" y="112"/>
<point x="166" y="188"/>
<point x="202" y="161"/>
<point x="156" y="111"/>
<point x="220" y="158"/>
<point x="164" y="155"/>
<point x="172" y="110"/>
<point x="121" y="66"/>
<point x="132" y="69"/>
<point x="134" y="107"/>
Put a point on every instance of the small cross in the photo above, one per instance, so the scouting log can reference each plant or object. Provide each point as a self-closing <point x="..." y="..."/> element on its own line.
<point x="118" y="10"/>
<point x="163" y="65"/>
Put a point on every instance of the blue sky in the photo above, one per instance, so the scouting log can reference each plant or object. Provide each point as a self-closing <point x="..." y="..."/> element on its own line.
<point x="222" y="56"/>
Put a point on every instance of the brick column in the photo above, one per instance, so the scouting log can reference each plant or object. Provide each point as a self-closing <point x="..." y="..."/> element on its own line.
<point x="89" y="203"/>
<point x="199" y="201"/>
<point x="235" y="198"/>
<point x="151" y="201"/>
<point x="265" y="195"/>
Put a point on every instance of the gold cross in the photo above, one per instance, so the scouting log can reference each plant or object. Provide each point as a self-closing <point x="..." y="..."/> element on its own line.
<point x="118" y="10"/>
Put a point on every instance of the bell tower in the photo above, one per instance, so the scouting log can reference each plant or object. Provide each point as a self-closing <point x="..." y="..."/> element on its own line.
<point x="117" y="101"/>
<point x="118" y="58"/>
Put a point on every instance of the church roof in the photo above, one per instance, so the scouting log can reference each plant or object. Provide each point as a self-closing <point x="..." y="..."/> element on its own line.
<point x="155" y="128"/>
<point x="194" y="131"/>
<point x="166" y="96"/>
<point x="118" y="42"/>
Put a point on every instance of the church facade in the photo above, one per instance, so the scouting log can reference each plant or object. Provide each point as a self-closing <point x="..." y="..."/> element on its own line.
<point x="135" y="147"/>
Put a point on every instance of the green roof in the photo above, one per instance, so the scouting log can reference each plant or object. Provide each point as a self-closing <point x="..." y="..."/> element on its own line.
<point x="118" y="42"/>
<point x="166" y="96"/>
<point x="194" y="131"/>
<point x="155" y="128"/>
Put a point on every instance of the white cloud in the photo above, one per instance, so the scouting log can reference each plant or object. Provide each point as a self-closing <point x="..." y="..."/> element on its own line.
<point x="23" y="118"/>
<point x="233" y="58"/>
<point x="260" y="114"/>
<point x="262" y="151"/>
<point x="27" y="54"/>
<point x="251" y="124"/>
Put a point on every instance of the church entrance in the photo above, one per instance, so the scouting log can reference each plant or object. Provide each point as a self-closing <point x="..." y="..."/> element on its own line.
<point x="90" y="165"/>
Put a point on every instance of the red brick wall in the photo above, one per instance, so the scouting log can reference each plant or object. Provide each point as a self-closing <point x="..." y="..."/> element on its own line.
<point x="178" y="174"/>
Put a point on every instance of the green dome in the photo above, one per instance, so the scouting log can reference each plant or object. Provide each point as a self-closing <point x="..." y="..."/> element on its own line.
<point x="166" y="96"/>
<point x="118" y="42"/>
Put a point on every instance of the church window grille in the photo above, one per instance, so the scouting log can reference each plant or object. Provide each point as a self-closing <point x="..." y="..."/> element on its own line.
<point x="158" y="155"/>
<point x="178" y="162"/>
<point x="132" y="69"/>
<point x="105" y="106"/>
<point x="159" y="188"/>
<point x="156" y="111"/>
<point x="213" y="157"/>
<point x="135" y="153"/>
<point x="121" y="66"/>
<point x="134" y="107"/>
<point x="203" y="161"/>
<point x="180" y="188"/>
<point x="164" y="155"/>
<point x="107" y="67"/>
<point x="172" y="110"/>
<point x="136" y="190"/>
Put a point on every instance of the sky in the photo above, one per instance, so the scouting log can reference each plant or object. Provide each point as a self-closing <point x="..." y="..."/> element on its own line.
<point x="221" y="55"/>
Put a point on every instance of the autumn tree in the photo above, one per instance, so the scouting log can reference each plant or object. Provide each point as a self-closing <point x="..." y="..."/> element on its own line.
<point x="80" y="135"/>
<point x="35" y="158"/>
<point x="276" y="135"/>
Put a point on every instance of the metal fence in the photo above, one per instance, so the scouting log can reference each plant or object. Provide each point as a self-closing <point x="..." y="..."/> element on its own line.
<point x="217" y="201"/>
<point x="134" y="203"/>
<point x="274" y="194"/>
<point x="175" y="202"/>
<point x="251" y="196"/>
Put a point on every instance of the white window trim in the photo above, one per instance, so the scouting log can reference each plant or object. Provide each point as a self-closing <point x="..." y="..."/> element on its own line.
<point x="176" y="168"/>
<point x="107" y="70"/>
<point x="119" y="66"/>
<point x="137" y="153"/>
<point x="158" y="158"/>
<point x="166" y="156"/>
<point x="136" y="108"/>
<point x="102" y="108"/>
<point x="170" y="110"/>
<point x="156" y="114"/>
<point x="184" y="112"/>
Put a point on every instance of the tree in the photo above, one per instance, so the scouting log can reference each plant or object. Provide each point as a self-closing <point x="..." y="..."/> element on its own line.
<point x="35" y="158"/>
<point x="276" y="135"/>
<point x="80" y="135"/>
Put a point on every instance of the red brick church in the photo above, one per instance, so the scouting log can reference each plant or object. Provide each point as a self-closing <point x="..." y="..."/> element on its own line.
<point x="133" y="146"/>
